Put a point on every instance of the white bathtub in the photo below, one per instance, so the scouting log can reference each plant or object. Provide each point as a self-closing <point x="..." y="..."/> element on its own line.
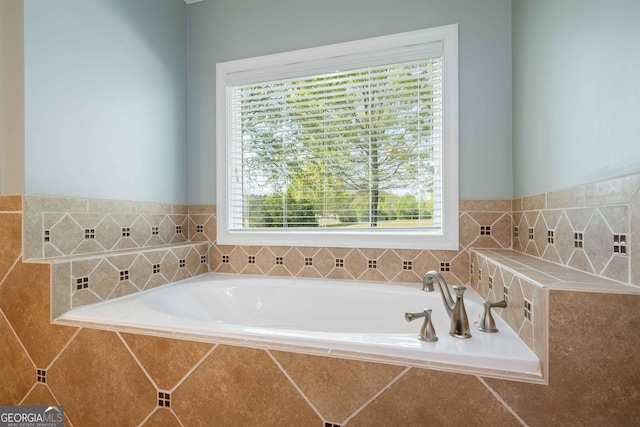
<point x="347" y="317"/>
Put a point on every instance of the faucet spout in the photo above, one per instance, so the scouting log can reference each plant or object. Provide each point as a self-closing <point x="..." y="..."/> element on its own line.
<point x="455" y="308"/>
<point x="427" y="286"/>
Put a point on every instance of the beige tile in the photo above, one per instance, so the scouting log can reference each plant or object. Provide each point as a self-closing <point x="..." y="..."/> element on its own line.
<point x="66" y="235"/>
<point x="60" y="289"/>
<point x="95" y="375"/>
<point x="567" y="198"/>
<point x="592" y="382"/>
<point x="25" y="300"/>
<point x="166" y="360"/>
<point x="21" y="376"/>
<point x="112" y="206"/>
<point x="612" y="191"/>
<point x="10" y="203"/>
<point x="403" y="403"/>
<point x="202" y="209"/>
<point x="598" y="242"/>
<point x="535" y="202"/>
<point x="10" y="240"/>
<point x="336" y="387"/>
<point x="237" y="386"/>
<point x="162" y="418"/>
<point x="40" y="395"/>
<point x="155" y="208"/>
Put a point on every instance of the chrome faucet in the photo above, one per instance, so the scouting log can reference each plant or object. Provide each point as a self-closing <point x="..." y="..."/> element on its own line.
<point x="455" y="308"/>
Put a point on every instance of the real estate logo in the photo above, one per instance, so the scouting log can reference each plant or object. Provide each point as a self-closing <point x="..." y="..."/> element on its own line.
<point x="31" y="416"/>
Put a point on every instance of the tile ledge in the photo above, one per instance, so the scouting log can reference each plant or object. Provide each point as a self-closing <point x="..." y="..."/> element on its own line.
<point x="82" y="257"/>
<point x="577" y="281"/>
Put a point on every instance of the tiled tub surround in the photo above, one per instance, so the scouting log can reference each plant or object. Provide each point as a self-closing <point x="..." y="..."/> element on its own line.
<point x="524" y="282"/>
<point x="593" y="374"/>
<point x="78" y="281"/>
<point x="64" y="226"/>
<point x="593" y="228"/>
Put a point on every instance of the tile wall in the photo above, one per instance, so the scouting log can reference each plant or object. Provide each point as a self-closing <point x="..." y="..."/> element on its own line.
<point x="593" y="228"/>
<point x="593" y="374"/>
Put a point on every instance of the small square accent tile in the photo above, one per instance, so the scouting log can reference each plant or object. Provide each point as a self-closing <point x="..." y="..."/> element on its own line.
<point x="124" y="275"/>
<point x="279" y="260"/>
<point x="407" y="265"/>
<point x="89" y="233"/>
<point x="485" y="230"/>
<point x="203" y="259"/>
<point x="178" y="229"/>
<point x="47" y="236"/>
<point x="619" y="244"/>
<point x="372" y="263"/>
<point x="156" y="268"/>
<point x="471" y="267"/>
<point x="516" y="231"/>
<point x="339" y="263"/>
<point x="41" y="376"/>
<point x="126" y="232"/>
<point x="505" y="294"/>
<point x="530" y="233"/>
<point x="82" y="283"/>
<point x="199" y="228"/>
<point x="527" y="310"/>
<point x="182" y="263"/>
<point x="551" y="236"/>
<point x="225" y="259"/>
<point x="480" y="274"/>
<point x="578" y="240"/>
<point x="164" y="399"/>
<point x="155" y="231"/>
<point x="491" y="282"/>
<point x="332" y="425"/>
<point x="252" y="259"/>
<point x="445" y="266"/>
<point x="308" y="261"/>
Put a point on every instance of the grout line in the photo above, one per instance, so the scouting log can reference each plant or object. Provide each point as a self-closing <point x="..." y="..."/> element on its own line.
<point x="18" y="339"/>
<point x="138" y="362"/>
<point x="21" y="402"/>
<point x="195" y="366"/>
<point x="286" y="374"/>
<point x="75" y="334"/>
<point x="18" y="259"/>
<point x="176" y="415"/>
<point x="145" y="419"/>
<point x="375" y="396"/>
<point x="499" y="399"/>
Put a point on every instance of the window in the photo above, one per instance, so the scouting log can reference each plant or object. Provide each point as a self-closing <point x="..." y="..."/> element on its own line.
<point x="348" y="145"/>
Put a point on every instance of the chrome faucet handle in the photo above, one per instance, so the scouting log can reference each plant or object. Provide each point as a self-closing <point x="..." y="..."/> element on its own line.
<point x="427" y="331"/>
<point x="487" y="324"/>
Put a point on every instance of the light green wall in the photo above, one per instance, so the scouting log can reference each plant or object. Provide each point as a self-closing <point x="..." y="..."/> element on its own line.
<point x="576" y="92"/>
<point x="105" y="99"/>
<point x="223" y="30"/>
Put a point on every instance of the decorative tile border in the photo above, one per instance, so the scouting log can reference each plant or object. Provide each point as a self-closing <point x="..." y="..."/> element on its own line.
<point x="594" y="228"/>
<point x="483" y="224"/>
<point x="63" y="226"/>
<point x="86" y="280"/>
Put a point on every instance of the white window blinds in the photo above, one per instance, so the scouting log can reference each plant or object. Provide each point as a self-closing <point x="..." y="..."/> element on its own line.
<point x="357" y="148"/>
<point x="349" y="145"/>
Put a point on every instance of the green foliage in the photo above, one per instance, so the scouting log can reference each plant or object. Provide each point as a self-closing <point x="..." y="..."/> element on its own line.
<point x="343" y="157"/>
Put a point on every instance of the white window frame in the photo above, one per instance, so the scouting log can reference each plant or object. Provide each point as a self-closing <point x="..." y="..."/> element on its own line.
<point x="229" y="72"/>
